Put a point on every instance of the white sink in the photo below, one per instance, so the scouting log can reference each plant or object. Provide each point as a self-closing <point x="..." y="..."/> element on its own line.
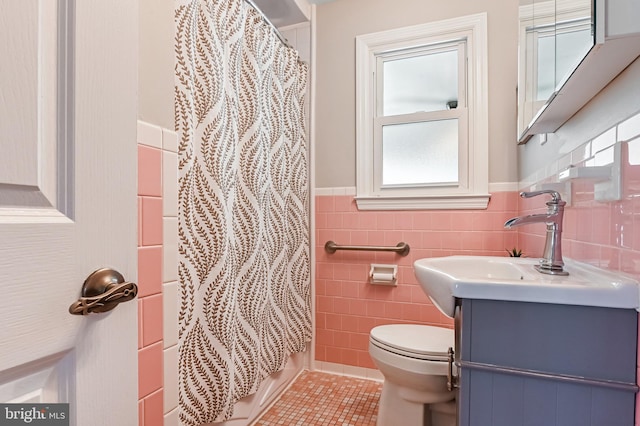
<point x="513" y="278"/>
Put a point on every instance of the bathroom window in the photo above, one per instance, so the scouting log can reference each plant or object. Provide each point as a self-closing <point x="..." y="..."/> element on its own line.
<point x="422" y="116"/>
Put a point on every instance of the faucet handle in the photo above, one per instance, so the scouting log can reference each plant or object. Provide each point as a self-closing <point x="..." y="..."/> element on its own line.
<point x="555" y="195"/>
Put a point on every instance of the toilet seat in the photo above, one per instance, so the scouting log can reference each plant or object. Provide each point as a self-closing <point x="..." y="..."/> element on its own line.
<point x="416" y="341"/>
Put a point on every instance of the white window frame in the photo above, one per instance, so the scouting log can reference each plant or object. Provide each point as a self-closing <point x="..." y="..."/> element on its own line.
<point x="471" y="192"/>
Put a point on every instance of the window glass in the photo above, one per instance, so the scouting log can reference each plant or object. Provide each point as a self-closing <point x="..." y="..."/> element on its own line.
<point x="420" y="153"/>
<point x="560" y="50"/>
<point x="571" y="47"/>
<point x="427" y="82"/>
<point x="546" y="66"/>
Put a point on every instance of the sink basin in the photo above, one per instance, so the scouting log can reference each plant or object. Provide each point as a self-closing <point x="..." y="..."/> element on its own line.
<point x="514" y="278"/>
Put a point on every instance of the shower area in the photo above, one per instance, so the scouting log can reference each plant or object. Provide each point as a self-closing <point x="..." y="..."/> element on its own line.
<point x="243" y="219"/>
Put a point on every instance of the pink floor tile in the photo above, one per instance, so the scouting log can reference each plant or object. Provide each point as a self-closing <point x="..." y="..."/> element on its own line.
<point x="317" y="398"/>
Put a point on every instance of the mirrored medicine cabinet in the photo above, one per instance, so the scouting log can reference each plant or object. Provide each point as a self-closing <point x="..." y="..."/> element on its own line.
<point x="568" y="51"/>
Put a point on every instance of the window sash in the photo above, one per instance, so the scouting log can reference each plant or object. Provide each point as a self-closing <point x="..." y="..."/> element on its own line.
<point x="390" y="55"/>
<point x="461" y="114"/>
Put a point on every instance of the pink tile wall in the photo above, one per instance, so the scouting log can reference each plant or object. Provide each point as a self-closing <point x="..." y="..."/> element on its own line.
<point x="348" y="307"/>
<point x="605" y="234"/>
<point x="150" y="307"/>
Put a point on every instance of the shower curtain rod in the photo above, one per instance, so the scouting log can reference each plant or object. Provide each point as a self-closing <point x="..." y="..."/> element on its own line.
<point x="268" y="21"/>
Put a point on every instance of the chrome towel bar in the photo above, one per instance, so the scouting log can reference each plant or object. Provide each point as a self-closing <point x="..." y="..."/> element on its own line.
<point x="402" y="248"/>
<point x="565" y="378"/>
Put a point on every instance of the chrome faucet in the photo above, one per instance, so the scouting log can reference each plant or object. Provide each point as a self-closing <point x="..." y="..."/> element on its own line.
<point x="551" y="262"/>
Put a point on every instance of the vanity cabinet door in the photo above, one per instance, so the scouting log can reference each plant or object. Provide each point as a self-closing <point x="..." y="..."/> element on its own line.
<point x="544" y="364"/>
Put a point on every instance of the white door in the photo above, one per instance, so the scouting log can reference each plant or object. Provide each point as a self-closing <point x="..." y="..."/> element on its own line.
<point x="68" y="77"/>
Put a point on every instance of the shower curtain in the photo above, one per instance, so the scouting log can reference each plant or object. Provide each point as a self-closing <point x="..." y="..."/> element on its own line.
<point x="243" y="226"/>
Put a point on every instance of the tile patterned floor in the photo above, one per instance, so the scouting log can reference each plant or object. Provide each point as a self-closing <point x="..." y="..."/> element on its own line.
<point x="322" y="399"/>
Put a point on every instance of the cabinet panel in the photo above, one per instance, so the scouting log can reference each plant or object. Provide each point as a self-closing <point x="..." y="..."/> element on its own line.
<point x="612" y="408"/>
<point x="538" y="364"/>
<point x="540" y="408"/>
<point x="559" y="339"/>
<point x="506" y="400"/>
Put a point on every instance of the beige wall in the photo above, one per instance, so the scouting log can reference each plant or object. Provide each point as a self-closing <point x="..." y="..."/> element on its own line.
<point x="155" y="78"/>
<point x="339" y="22"/>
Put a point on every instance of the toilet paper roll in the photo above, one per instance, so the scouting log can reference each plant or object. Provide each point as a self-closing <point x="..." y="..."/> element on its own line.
<point x="382" y="277"/>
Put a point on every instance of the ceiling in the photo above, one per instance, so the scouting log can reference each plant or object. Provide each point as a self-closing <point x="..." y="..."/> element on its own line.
<point x="283" y="13"/>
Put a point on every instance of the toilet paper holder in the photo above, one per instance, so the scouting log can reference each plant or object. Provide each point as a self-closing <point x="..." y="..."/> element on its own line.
<point x="381" y="274"/>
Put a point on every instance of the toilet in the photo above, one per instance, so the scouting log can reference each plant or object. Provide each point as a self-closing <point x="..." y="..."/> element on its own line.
<point x="413" y="360"/>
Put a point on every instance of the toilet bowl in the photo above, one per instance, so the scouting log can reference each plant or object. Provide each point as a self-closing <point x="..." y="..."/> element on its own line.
<point x="413" y="360"/>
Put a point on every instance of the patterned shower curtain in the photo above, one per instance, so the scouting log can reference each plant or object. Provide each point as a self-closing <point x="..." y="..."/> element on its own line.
<point x="243" y="226"/>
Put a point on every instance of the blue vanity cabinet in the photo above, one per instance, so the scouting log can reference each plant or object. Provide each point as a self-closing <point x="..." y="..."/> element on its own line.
<point x="545" y="365"/>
